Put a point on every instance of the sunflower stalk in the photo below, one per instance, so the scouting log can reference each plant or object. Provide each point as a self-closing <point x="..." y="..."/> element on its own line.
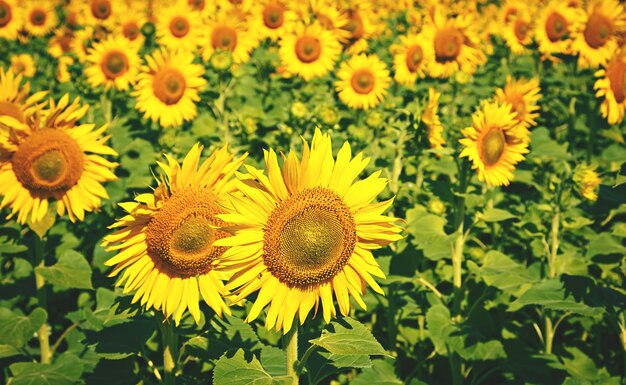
<point x="170" y="352"/>
<point x="290" y="345"/>
<point x="42" y="299"/>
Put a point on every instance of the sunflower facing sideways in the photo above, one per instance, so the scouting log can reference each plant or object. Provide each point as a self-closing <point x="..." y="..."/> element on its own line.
<point x="554" y="25"/>
<point x="494" y="143"/>
<point x="517" y="33"/>
<point x="597" y="40"/>
<point x="167" y="87"/>
<point x="411" y="58"/>
<point x="309" y="51"/>
<point x="612" y="86"/>
<point x="362" y="81"/>
<point x="10" y="19"/>
<point x="166" y="243"/>
<point x="40" y="17"/>
<point x="304" y="233"/>
<point x="15" y="99"/>
<point x="113" y="63"/>
<point x="51" y="161"/>
<point x="430" y="117"/>
<point x="522" y="95"/>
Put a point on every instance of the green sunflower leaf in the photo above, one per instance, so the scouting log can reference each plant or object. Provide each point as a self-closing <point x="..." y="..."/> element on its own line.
<point x="347" y="336"/>
<point x="72" y="271"/>
<point x="243" y="369"/>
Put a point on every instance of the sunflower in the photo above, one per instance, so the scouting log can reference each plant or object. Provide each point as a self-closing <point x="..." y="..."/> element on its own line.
<point x="510" y="9"/>
<point x="362" y="81"/>
<point x="23" y="64"/>
<point x="430" y="117"/>
<point x="165" y="244"/>
<point x="15" y="99"/>
<point x="50" y="159"/>
<point x="305" y="232"/>
<point x="597" y="40"/>
<point x="455" y="45"/>
<point x="60" y="43"/>
<point x="40" y="17"/>
<point x="331" y="18"/>
<point x="63" y="72"/>
<point x="10" y="19"/>
<point x="271" y="19"/>
<point x="517" y="33"/>
<point x="522" y="95"/>
<point x="179" y="27"/>
<point x="81" y="42"/>
<point x="494" y="143"/>
<point x="360" y="28"/>
<point x="411" y="57"/>
<point x="113" y="63"/>
<point x="101" y="13"/>
<point x="612" y="86"/>
<point x="130" y="22"/>
<point x="228" y="32"/>
<point x="309" y="51"/>
<point x="167" y="87"/>
<point x="587" y="181"/>
<point x="554" y="25"/>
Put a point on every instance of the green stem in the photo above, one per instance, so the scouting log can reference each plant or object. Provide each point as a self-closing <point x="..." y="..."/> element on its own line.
<point x="391" y="318"/>
<point x="290" y="345"/>
<point x="42" y="299"/>
<point x="170" y="352"/>
<point x="305" y="357"/>
<point x="397" y="163"/>
<point x="554" y="247"/>
<point x="549" y="335"/>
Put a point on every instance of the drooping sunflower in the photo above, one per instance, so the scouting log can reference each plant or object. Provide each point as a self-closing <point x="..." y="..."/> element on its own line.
<point x="430" y="117"/>
<point x="227" y="32"/>
<point x="51" y="160"/>
<point x="40" y="17"/>
<point x="98" y="13"/>
<point x="494" y="143"/>
<point x="587" y="181"/>
<point x="167" y="87"/>
<point x="113" y="63"/>
<point x="597" y="39"/>
<point x="23" y="64"/>
<point x="165" y="244"/>
<point x="179" y="27"/>
<point x="554" y="25"/>
<point x="10" y="19"/>
<point x="612" y="86"/>
<point x="411" y="57"/>
<point x="455" y="44"/>
<point x="362" y="81"/>
<point x="309" y="51"/>
<point x="522" y="95"/>
<point x="271" y="19"/>
<point x="517" y="34"/>
<point x="305" y="232"/>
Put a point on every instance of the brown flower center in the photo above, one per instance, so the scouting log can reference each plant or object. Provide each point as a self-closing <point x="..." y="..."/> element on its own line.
<point x="48" y="161"/>
<point x="616" y="72"/>
<point x="198" y="5"/>
<point x="179" y="26"/>
<point x="309" y="237"/>
<point x="6" y="13"/>
<point x="521" y="29"/>
<point x="448" y="43"/>
<point x="355" y="25"/>
<point x="414" y="57"/>
<point x="516" y="100"/>
<point x="114" y="64"/>
<point x="509" y="13"/>
<point x="556" y="27"/>
<point x="363" y="81"/>
<point x="492" y="146"/>
<point x="224" y="37"/>
<point x="169" y="85"/>
<point x="13" y="110"/>
<point x="308" y="49"/>
<point x="598" y="30"/>
<point x="273" y="15"/>
<point x="101" y="9"/>
<point x="181" y="234"/>
<point x="131" y="30"/>
<point x="38" y="17"/>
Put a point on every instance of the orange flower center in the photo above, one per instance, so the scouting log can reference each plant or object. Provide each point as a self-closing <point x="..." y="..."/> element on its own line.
<point x="5" y="13"/>
<point x="131" y="30"/>
<point x="414" y="56"/>
<point x="198" y="5"/>
<point x="556" y="27"/>
<point x="509" y="13"/>
<point x="12" y="110"/>
<point x="114" y="64"/>
<point x="38" y="17"/>
<point x="616" y="72"/>
<point x="224" y="37"/>
<point x="101" y="9"/>
<point x="273" y="15"/>
<point x="448" y="43"/>
<point x="169" y="85"/>
<point x="492" y="146"/>
<point x="179" y="26"/>
<point x="325" y="22"/>
<point x="598" y="30"/>
<point x="355" y="25"/>
<point x="363" y="81"/>
<point x="521" y="30"/>
<point x="308" y="49"/>
<point x="48" y="161"/>
<point x="19" y="68"/>
<point x="516" y="100"/>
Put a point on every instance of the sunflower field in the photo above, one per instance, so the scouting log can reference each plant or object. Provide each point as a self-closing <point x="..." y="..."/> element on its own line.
<point x="283" y="192"/>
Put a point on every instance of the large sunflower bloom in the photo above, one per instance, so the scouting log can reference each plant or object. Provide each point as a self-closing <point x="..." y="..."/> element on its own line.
<point x="309" y="51"/>
<point x="597" y="40"/>
<point x="411" y="57"/>
<point x="494" y="143"/>
<point x="10" y="19"/>
<point x="612" y="86"/>
<point x="113" y="63"/>
<point x="165" y="244"/>
<point x="52" y="160"/>
<point x="305" y="232"/>
<point x="362" y="81"/>
<point x="40" y="17"/>
<point x="554" y="25"/>
<point x="522" y="95"/>
<point x="167" y="87"/>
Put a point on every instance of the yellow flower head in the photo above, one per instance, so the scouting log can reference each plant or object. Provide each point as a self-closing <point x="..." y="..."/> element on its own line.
<point x="23" y="64"/>
<point x="554" y="26"/>
<point x="587" y="181"/>
<point x="11" y="19"/>
<point x="430" y="117"/>
<point x="179" y="27"/>
<point x="522" y="95"/>
<point x="226" y="32"/>
<point x="40" y="17"/>
<point x="411" y="57"/>
<point x="113" y="63"/>
<point x="362" y="81"/>
<point x="612" y="86"/>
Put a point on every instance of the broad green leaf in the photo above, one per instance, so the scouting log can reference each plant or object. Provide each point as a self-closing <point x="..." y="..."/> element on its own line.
<point x="605" y="244"/>
<point x="121" y="340"/>
<point x="17" y="330"/>
<point x="552" y="295"/>
<point x="242" y="370"/>
<point x="381" y="373"/>
<point x="66" y="370"/>
<point x="439" y="327"/>
<point x="500" y="271"/>
<point x="347" y="336"/>
<point x="583" y="370"/>
<point x="495" y="215"/>
<point x="429" y="235"/>
<point x="7" y="246"/>
<point x="72" y="271"/>
<point x="544" y="147"/>
<point x="274" y="360"/>
<point x="8" y="351"/>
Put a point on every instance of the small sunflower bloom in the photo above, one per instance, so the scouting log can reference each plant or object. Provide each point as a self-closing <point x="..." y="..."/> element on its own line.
<point x="430" y="117"/>
<point x="611" y="85"/>
<point x="362" y="82"/>
<point x="23" y="64"/>
<point x="112" y="63"/>
<point x="411" y="57"/>
<point x="309" y="51"/>
<point x="587" y="181"/>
